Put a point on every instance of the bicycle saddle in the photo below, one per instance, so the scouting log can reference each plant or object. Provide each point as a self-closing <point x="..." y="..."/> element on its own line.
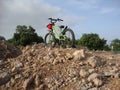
<point x="61" y="26"/>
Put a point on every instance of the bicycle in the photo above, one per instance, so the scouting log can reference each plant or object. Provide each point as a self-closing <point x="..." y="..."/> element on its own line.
<point x="61" y="35"/>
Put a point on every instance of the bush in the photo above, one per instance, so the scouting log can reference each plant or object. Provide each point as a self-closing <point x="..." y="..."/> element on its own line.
<point x="92" y="41"/>
<point x="25" y="36"/>
<point x="115" y="45"/>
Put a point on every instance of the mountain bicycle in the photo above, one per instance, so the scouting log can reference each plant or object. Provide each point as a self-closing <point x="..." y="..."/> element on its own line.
<point x="61" y="35"/>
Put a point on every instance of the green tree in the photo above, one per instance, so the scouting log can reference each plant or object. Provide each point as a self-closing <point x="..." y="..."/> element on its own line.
<point x="115" y="45"/>
<point x="92" y="41"/>
<point x="25" y="35"/>
<point x="2" y="38"/>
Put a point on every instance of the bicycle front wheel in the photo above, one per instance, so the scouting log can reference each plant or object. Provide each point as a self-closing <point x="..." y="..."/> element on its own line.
<point x="50" y="40"/>
<point x="70" y="38"/>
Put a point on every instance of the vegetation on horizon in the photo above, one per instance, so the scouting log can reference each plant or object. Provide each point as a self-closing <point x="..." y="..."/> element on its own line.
<point x="26" y="35"/>
<point x="93" y="42"/>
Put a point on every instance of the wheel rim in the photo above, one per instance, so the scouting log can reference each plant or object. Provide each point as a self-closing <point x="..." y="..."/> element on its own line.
<point x="69" y="39"/>
<point x="50" y="40"/>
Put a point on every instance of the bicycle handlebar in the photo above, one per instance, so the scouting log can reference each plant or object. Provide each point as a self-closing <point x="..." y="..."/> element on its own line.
<point x="51" y="19"/>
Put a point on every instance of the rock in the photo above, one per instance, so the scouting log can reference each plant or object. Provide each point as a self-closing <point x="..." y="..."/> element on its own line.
<point x="91" y="70"/>
<point x="12" y="81"/>
<point x="16" y="66"/>
<point x="95" y="88"/>
<point x="97" y="82"/>
<point x="113" y="73"/>
<point x="4" y="77"/>
<point x="111" y="64"/>
<point x="115" y="69"/>
<point x="108" y="74"/>
<point x="84" y="73"/>
<point x="41" y="87"/>
<point x="81" y="63"/>
<point x="27" y="83"/>
<point x="46" y="57"/>
<point x="94" y="61"/>
<point x="117" y="75"/>
<point x="37" y="80"/>
<point x="90" y="84"/>
<point x="96" y="79"/>
<point x="51" y="54"/>
<point x="84" y="85"/>
<point x="69" y="56"/>
<point x="83" y="81"/>
<point x="1" y="62"/>
<point x="18" y="76"/>
<point x="8" y="50"/>
<point x="58" y="60"/>
<point x="79" y="54"/>
<point x="73" y="72"/>
<point x="93" y="76"/>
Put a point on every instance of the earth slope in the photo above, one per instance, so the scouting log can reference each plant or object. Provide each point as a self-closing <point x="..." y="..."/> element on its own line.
<point x="37" y="67"/>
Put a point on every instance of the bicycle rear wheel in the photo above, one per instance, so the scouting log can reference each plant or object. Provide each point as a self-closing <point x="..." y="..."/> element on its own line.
<point x="50" y="40"/>
<point x="70" y="38"/>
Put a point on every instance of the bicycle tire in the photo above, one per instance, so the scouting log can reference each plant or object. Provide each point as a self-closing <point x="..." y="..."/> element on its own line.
<point x="52" y="41"/>
<point x="72" y="40"/>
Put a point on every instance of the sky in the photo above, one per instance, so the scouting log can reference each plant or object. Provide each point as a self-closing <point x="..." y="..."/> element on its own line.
<point x="82" y="16"/>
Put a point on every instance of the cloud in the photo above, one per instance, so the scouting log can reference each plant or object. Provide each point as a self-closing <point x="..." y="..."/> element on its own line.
<point x="25" y="12"/>
<point x="30" y="12"/>
<point x="86" y="4"/>
<point x="107" y="10"/>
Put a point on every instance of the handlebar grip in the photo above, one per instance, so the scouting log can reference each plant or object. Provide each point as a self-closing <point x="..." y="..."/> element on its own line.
<point x="50" y="18"/>
<point x="59" y="19"/>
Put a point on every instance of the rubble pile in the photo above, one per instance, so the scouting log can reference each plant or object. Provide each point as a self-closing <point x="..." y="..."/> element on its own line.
<point x="43" y="68"/>
<point x="8" y="51"/>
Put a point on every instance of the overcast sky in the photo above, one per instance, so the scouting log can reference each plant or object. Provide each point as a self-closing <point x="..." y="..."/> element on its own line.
<point x="83" y="16"/>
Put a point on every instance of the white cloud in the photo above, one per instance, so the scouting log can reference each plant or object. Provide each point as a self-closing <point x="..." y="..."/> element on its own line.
<point x="30" y="12"/>
<point x="25" y="12"/>
<point x="107" y="10"/>
<point x="86" y="4"/>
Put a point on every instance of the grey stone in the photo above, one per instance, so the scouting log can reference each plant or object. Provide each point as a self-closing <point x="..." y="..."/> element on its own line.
<point x="4" y="77"/>
<point x="108" y="74"/>
<point x="93" y="76"/>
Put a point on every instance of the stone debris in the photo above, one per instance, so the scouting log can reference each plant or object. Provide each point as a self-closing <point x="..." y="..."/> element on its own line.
<point x="8" y="51"/>
<point x="92" y="76"/>
<point x="94" y="61"/>
<point x="4" y="77"/>
<point x="28" y="83"/>
<point x="84" y="73"/>
<point x="79" y="54"/>
<point x="41" y="68"/>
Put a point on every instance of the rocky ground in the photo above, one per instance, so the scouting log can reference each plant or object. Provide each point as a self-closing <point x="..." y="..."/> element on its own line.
<point x="38" y="67"/>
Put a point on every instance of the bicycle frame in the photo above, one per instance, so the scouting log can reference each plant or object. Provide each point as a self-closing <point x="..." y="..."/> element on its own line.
<point x="58" y="33"/>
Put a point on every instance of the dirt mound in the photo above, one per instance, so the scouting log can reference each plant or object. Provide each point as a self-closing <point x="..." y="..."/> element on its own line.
<point x="8" y="51"/>
<point x="43" y="68"/>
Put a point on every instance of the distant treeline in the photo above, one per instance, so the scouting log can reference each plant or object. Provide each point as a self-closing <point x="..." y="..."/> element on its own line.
<point x="26" y="35"/>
